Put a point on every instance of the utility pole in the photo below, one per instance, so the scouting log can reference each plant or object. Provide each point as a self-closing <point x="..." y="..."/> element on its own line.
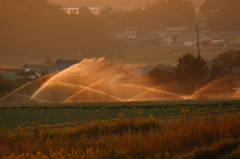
<point x="198" y="44"/>
<point x="126" y="20"/>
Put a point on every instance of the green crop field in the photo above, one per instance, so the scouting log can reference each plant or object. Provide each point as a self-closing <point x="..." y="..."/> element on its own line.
<point x="11" y="116"/>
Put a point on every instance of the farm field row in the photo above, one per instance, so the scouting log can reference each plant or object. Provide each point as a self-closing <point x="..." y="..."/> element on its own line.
<point x="12" y="116"/>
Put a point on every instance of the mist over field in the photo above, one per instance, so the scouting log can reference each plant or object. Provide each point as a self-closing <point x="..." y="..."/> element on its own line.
<point x="119" y="79"/>
<point x="177" y="45"/>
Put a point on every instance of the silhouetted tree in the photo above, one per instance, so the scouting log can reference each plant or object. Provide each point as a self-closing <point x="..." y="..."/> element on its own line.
<point x="84" y="10"/>
<point x="190" y="71"/>
<point x="48" y="60"/>
<point x="6" y="86"/>
<point x="222" y="14"/>
<point x="224" y="63"/>
<point x="106" y="10"/>
<point x="159" y="14"/>
<point x="158" y="76"/>
<point x="170" y="13"/>
<point x="36" y="25"/>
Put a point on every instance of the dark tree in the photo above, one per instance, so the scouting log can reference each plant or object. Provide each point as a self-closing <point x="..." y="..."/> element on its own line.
<point x="48" y="60"/>
<point x="156" y="15"/>
<point x="84" y="10"/>
<point x="170" y="13"/>
<point x="159" y="76"/>
<point x="190" y="71"/>
<point x="225" y="62"/>
<point x="222" y="14"/>
<point x="38" y="26"/>
<point x="6" y="86"/>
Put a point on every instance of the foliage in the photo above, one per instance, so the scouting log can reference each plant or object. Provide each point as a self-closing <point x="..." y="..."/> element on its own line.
<point x="158" y="76"/>
<point x="6" y="86"/>
<point x="170" y="13"/>
<point x="225" y="61"/>
<point x="191" y="67"/>
<point x="221" y="14"/>
<point x="199" y="137"/>
<point x="156" y="15"/>
<point x="38" y="26"/>
<point x="225" y="148"/>
<point x="48" y="60"/>
<point x="84" y="10"/>
<point x="190" y="70"/>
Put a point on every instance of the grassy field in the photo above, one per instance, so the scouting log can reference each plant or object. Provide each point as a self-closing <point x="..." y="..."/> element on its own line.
<point x="142" y="130"/>
<point x="144" y="55"/>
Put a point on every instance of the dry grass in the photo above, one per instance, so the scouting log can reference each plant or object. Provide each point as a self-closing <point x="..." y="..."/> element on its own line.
<point x="128" y="138"/>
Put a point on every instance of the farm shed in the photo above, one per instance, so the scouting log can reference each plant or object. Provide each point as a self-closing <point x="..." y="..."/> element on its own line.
<point x="62" y="64"/>
<point x="41" y="67"/>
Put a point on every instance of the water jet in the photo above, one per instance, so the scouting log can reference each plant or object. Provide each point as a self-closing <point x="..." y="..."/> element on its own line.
<point x="96" y="80"/>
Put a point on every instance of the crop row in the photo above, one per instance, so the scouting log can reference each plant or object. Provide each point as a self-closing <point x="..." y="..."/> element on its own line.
<point x="11" y="116"/>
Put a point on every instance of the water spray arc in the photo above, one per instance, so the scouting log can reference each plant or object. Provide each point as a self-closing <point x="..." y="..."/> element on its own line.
<point x="16" y="90"/>
<point x="93" y="90"/>
<point x="95" y="80"/>
<point x="43" y="86"/>
<point x="83" y="88"/>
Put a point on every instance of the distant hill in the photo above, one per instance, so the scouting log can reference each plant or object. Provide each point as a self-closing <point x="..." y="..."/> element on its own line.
<point x="77" y="3"/>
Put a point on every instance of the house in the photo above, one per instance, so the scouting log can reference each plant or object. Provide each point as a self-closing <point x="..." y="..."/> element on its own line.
<point x="189" y="39"/>
<point x="166" y="41"/>
<point x="217" y="42"/>
<point x="151" y="37"/>
<point x="235" y="41"/>
<point x="14" y="74"/>
<point x="229" y="34"/>
<point x="40" y="67"/>
<point x="176" y="30"/>
<point x="62" y="64"/>
<point x="182" y="39"/>
<point x="125" y="34"/>
<point x="204" y="39"/>
<point x="190" y="44"/>
<point x="206" y="32"/>
<point x="127" y="37"/>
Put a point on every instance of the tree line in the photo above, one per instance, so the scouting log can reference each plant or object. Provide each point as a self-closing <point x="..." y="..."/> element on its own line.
<point x="37" y="26"/>
<point x="217" y="14"/>
<point x="193" y="72"/>
<point x="221" y="14"/>
<point x="155" y="15"/>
